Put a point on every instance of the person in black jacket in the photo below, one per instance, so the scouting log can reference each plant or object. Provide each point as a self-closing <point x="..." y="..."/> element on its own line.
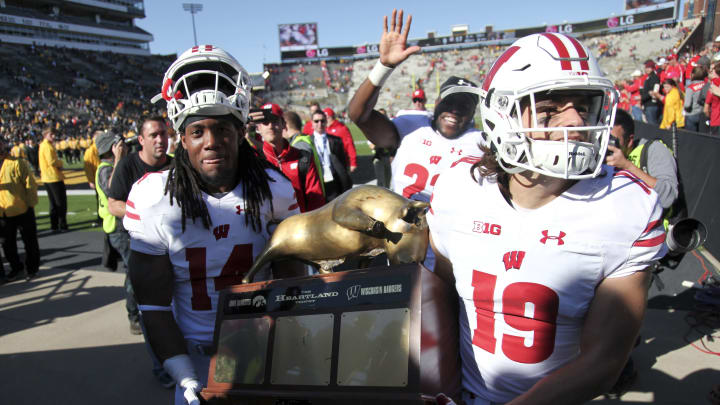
<point x="333" y="158"/>
<point x="651" y="106"/>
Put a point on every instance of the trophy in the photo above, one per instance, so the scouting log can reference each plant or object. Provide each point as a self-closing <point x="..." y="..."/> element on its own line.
<point x="380" y="335"/>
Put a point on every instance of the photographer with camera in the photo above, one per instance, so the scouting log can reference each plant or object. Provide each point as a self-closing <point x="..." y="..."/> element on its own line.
<point x="649" y="160"/>
<point x="298" y="165"/>
<point x="152" y="157"/>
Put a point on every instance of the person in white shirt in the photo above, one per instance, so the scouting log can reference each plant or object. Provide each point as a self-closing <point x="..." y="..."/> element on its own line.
<point x="426" y="144"/>
<point x="197" y="227"/>
<point x="547" y="247"/>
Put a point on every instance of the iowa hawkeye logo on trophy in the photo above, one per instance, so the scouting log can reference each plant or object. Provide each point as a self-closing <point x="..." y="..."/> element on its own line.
<point x="373" y="335"/>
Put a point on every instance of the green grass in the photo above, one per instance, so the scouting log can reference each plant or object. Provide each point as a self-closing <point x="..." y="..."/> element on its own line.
<point x="81" y="213"/>
<point x="360" y="141"/>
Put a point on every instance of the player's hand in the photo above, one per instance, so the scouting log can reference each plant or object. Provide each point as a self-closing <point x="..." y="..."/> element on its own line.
<point x="190" y="390"/>
<point x="119" y="150"/>
<point x="393" y="43"/>
<point x="616" y="158"/>
<point x="353" y="168"/>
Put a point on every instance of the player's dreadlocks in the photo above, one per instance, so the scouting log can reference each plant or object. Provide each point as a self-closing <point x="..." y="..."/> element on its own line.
<point x="185" y="185"/>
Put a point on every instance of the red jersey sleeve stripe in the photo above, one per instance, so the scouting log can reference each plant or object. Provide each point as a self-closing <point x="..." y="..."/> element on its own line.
<point x="652" y="225"/>
<point x="467" y="159"/>
<point x="634" y="179"/>
<point x="132" y="216"/>
<point x="658" y="240"/>
<point x="130" y="204"/>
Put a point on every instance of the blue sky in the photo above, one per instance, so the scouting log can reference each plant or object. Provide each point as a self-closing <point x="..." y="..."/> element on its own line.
<point x="248" y="29"/>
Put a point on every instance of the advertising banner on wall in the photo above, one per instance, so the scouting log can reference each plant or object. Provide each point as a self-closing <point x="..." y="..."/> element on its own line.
<point x="630" y="18"/>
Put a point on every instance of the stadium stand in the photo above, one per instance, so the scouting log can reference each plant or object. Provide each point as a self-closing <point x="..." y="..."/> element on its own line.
<point x="110" y="88"/>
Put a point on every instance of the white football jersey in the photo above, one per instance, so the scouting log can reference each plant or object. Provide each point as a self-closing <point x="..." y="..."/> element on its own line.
<point x="414" y="112"/>
<point x="424" y="153"/>
<point x="526" y="278"/>
<point x="204" y="260"/>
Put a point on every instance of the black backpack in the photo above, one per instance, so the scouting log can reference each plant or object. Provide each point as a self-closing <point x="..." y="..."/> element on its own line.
<point x="306" y="159"/>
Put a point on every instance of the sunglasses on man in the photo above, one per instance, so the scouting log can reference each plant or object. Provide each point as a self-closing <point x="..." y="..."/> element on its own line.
<point x="319" y="121"/>
<point x="418" y="100"/>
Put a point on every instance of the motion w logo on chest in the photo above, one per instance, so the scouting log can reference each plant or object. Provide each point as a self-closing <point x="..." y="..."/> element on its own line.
<point x="513" y="260"/>
<point x="221" y="231"/>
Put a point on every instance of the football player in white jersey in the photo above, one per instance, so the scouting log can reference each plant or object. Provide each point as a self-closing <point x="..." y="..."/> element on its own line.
<point x="426" y="144"/>
<point x="547" y="247"/>
<point x="196" y="228"/>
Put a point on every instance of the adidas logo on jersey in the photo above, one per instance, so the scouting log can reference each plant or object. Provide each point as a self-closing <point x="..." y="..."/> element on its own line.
<point x="221" y="231"/>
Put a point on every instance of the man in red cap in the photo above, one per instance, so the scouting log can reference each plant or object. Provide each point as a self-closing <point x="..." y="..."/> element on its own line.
<point x="337" y="128"/>
<point x="419" y="100"/>
<point x="296" y="164"/>
<point x="418" y="105"/>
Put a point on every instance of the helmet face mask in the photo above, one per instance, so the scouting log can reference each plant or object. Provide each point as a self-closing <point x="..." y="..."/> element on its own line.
<point x="205" y="80"/>
<point x="528" y="78"/>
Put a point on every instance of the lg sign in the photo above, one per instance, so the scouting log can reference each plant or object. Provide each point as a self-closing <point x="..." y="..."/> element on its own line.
<point x="613" y="22"/>
<point x="563" y="29"/>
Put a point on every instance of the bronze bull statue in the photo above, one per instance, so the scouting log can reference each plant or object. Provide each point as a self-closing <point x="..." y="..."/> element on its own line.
<point x="363" y="221"/>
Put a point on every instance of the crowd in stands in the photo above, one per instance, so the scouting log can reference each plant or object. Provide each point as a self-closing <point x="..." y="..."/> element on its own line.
<point x="680" y="90"/>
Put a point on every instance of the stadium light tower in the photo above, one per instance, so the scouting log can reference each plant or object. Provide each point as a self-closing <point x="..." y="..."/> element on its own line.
<point x="193" y="8"/>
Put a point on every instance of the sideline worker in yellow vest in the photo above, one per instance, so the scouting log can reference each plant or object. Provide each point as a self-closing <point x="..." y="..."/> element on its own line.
<point x="660" y="172"/>
<point x="52" y="177"/>
<point x="111" y="148"/>
<point x="18" y="196"/>
<point x="91" y="161"/>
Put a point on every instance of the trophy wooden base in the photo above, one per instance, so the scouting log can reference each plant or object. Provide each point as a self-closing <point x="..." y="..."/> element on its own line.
<point x="380" y="335"/>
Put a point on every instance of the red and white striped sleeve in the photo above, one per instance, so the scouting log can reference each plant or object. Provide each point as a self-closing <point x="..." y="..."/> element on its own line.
<point x="143" y="217"/>
<point x="648" y="248"/>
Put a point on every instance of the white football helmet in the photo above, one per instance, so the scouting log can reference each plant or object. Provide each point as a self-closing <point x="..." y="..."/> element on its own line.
<point x="205" y="80"/>
<point x="537" y="67"/>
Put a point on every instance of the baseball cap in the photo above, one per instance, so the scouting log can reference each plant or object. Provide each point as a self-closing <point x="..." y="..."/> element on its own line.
<point x="329" y="112"/>
<point x="661" y="61"/>
<point x="273" y="108"/>
<point x="717" y="39"/>
<point x="419" y="93"/>
<point x="459" y="85"/>
<point x="105" y="141"/>
<point x="650" y="64"/>
<point x="637" y="72"/>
